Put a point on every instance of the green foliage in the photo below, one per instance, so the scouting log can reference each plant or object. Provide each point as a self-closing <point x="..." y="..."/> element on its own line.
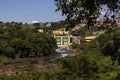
<point x="34" y="75"/>
<point x="16" y="40"/>
<point x="91" y="64"/>
<point x="109" y="44"/>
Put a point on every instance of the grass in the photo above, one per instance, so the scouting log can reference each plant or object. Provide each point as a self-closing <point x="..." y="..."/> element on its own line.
<point x="4" y="59"/>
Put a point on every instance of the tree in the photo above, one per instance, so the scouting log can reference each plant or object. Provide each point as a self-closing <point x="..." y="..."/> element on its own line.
<point x="91" y="66"/>
<point x="16" y="40"/>
<point x="109" y="44"/>
<point x="87" y="10"/>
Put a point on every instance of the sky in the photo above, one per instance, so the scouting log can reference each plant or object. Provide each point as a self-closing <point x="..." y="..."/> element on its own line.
<point x="27" y="11"/>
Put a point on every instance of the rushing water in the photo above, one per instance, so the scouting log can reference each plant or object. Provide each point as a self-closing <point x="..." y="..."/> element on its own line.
<point x="62" y="52"/>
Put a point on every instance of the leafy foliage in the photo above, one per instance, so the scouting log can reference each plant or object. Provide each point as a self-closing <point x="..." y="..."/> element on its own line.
<point x="16" y="40"/>
<point x="91" y="64"/>
<point x="88" y="10"/>
<point x="109" y="44"/>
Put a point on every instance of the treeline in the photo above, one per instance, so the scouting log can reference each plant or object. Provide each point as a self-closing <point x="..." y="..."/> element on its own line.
<point x="21" y="40"/>
<point x="49" y="26"/>
<point x="99" y="60"/>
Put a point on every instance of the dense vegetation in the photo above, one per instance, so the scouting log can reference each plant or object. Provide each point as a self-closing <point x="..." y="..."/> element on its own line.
<point x="18" y="40"/>
<point x="99" y="60"/>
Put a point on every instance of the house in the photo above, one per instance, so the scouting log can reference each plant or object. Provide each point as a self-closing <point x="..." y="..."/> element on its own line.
<point x="62" y="37"/>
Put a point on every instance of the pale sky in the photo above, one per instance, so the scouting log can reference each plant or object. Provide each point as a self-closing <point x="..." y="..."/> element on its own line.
<point x="29" y="10"/>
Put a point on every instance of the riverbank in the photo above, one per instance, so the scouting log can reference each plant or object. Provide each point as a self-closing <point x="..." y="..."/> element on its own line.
<point x="24" y="65"/>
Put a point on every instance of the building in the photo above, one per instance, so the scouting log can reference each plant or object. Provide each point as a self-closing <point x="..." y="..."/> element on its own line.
<point x="62" y="38"/>
<point x="89" y="38"/>
<point x="118" y="21"/>
<point x="41" y="30"/>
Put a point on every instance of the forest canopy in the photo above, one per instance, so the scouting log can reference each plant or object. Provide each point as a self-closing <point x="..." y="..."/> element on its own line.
<point x="24" y="41"/>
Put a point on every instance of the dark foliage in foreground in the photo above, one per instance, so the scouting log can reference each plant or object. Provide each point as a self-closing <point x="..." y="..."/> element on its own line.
<point x="23" y="41"/>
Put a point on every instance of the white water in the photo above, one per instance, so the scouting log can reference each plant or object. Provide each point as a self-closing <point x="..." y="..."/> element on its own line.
<point x="62" y="52"/>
